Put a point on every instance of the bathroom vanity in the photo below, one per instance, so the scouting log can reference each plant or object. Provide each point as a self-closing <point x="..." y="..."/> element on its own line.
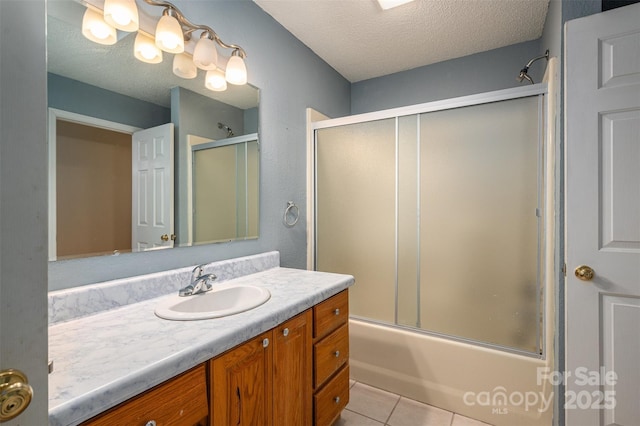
<point x="282" y="363"/>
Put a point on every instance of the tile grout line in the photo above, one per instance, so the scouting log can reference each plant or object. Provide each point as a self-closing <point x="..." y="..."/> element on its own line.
<point x="386" y="423"/>
<point x="392" y="410"/>
<point x="364" y="415"/>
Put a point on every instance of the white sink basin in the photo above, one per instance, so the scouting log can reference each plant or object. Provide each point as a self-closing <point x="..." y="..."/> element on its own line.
<point x="219" y="302"/>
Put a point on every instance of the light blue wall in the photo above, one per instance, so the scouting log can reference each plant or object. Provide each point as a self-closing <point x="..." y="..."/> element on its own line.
<point x="482" y="72"/>
<point x="251" y="120"/>
<point x="291" y="78"/>
<point x="74" y="96"/>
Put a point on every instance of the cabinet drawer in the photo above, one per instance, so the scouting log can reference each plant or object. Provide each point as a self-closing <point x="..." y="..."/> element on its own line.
<point x="330" y="401"/>
<point x="182" y="400"/>
<point x="330" y="314"/>
<point x="330" y="354"/>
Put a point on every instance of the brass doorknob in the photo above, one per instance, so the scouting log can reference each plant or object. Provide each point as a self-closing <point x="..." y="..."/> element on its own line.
<point x="15" y="394"/>
<point x="164" y="237"/>
<point x="584" y="273"/>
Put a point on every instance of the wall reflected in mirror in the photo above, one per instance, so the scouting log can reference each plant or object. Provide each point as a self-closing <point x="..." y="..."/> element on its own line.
<point x="224" y="187"/>
<point x="108" y="85"/>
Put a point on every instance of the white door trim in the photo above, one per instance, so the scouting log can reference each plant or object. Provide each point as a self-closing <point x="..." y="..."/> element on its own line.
<point x="312" y="116"/>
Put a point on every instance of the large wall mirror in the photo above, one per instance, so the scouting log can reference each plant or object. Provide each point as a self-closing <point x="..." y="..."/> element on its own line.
<point x="141" y="159"/>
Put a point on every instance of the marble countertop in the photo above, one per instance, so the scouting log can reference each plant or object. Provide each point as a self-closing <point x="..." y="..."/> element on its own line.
<point x="103" y="359"/>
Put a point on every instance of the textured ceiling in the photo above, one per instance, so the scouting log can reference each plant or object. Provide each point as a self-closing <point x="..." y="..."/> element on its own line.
<point x="361" y="41"/>
<point x="114" y="67"/>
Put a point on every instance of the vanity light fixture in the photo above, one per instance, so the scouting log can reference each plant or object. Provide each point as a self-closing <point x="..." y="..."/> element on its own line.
<point x="96" y="29"/>
<point x="169" y="35"/>
<point x="184" y="67"/>
<point x="121" y="14"/>
<point x="215" y="80"/>
<point x="205" y="54"/>
<point x="172" y="32"/>
<point x="236" y="70"/>
<point x="145" y="49"/>
<point x="389" y="4"/>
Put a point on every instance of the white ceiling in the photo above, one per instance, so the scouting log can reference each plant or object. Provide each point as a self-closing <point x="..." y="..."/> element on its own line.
<point x="361" y="41"/>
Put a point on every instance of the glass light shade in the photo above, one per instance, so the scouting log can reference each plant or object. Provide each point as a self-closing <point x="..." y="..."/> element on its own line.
<point x="214" y="80"/>
<point x="184" y="67"/>
<point x="122" y="14"/>
<point x="236" y="71"/>
<point x="96" y="29"/>
<point x="145" y="49"/>
<point x="389" y="4"/>
<point x="169" y="35"/>
<point x="205" y="55"/>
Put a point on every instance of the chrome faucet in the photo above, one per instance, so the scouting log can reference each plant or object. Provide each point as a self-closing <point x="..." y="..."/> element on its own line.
<point x="199" y="283"/>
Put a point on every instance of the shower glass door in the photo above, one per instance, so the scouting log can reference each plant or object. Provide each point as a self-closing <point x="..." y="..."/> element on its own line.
<point x="356" y="212"/>
<point x="437" y="215"/>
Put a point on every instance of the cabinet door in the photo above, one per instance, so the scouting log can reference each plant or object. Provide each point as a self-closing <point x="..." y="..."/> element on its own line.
<point x="241" y="385"/>
<point x="179" y="401"/>
<point x="292" y="371"/>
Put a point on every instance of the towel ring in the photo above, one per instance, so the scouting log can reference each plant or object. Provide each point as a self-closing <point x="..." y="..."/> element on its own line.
<point x="293" y="211"/>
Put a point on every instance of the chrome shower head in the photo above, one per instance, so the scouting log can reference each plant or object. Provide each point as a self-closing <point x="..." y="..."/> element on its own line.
<point x="524" y="71"/>
<point x="524" y="76"/>
<point x="226" y="128"/>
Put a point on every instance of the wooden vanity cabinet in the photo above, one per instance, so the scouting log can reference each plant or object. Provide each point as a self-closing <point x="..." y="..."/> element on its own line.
<point x="267" y="380"/>
<point x="330" y="358"/>
<point x="292" y="371"/>
<point x="181" y="400"/>
<point x="296" y="374"/>
<point x="240" y="384"/>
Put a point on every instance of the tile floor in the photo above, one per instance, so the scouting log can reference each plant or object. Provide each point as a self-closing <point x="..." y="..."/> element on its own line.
<point x="369" y="406"/>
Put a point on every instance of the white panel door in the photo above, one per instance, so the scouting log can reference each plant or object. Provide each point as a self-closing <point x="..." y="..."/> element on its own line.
<point x="23" y="206"/>
<point x="603" y="218"/>
<point x="152" y="192"/>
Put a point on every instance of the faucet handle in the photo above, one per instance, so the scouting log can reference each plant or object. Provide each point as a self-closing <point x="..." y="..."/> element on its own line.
<point x="197" y="272"/>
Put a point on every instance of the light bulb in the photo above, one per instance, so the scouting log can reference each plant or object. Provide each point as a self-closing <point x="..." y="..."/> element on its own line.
<point x="214" y="80"/>
<point x="169" y="35"/>
<point x="145" y="49"/>
<point x="236" y="70"/>
<point x="389" y="4"/>
<point x="184" y="67"/>
<point x="96" y="29"/>
<point x="205" y="55"/>
<point x="122" y="14"/>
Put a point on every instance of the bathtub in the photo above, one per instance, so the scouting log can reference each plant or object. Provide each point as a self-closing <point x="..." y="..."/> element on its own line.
<point x="494" y="386"/>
